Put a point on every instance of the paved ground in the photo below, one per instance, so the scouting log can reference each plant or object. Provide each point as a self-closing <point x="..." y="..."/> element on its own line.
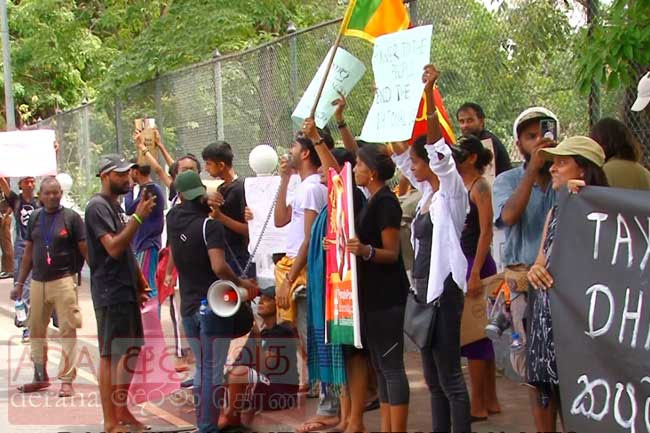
<point x="45" y="412"/>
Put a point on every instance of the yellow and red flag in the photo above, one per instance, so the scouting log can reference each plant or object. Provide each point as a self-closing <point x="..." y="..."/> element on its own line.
<point x="368" y="19"/>
<point x="420" y="126"/>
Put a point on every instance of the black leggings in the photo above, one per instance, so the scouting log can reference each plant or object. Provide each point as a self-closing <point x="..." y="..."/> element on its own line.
<point x="384" y="340"/>
<point x="450" y="407"/>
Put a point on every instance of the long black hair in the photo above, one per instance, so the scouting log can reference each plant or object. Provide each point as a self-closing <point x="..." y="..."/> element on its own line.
<point x="594" y="175"/>
<point x="376" y="157"/>
<point x="616" y="139"/>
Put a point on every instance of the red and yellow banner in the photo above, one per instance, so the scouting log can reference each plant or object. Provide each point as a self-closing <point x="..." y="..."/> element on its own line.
<point x="368" y="19"/>
<point x="341" y="293"/>
<point x="420" y="126"/>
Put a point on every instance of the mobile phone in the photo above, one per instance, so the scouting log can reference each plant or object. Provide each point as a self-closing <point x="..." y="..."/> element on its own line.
<point x="548" y="128"/>
<point x="149" y="191"/>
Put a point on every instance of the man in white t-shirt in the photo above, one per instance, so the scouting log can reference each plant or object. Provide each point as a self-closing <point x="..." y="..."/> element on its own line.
<point x="309" y="199"/>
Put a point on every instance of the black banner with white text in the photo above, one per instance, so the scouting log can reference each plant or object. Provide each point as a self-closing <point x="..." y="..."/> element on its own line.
<point x="600" y="306"/>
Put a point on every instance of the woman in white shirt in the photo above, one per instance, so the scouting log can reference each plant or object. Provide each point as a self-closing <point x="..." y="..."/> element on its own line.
<point x="440" y="267"/>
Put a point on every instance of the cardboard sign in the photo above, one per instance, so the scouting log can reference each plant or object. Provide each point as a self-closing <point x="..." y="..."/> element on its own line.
<point x="341" y="291"/>
<point x="27" y="153"/>
<point x="346" y="72"/>
<point x="398" y="61"/>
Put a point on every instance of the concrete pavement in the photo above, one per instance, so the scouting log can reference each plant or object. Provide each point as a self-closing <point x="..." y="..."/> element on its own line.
<point x="45" y="412"/>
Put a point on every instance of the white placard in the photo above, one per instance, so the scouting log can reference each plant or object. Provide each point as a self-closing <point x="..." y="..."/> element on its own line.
<point x="27" y="153"/>
<point x="260" y="192"/>
<point x="346" y="72"/>
<point x="398" y="61"/>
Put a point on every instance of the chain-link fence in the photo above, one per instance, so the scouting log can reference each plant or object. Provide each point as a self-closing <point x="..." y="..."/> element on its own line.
<point x="247" y="98"/>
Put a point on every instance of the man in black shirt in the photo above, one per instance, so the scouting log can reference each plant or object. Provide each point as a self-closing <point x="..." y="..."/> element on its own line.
<point x="197" y="246"/>
<point x="118" y="288"/>
<point x="472" y="122"/>
<point x="22" y="205"/>
<point x="229" y="204"/>
<point x="55" y="248"/>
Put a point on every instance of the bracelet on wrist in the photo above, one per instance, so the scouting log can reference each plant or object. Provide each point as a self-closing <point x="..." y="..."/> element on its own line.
<point x="370" y="255"/>
<point x="137" y="218"/>
<point x="341" y="124"/>
<point x="319" y="142"/>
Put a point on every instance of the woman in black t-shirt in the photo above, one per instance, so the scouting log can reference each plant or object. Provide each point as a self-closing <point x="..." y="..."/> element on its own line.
<point x="383" y="283"/>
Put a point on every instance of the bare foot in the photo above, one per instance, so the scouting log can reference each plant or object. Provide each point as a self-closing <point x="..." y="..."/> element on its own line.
<point x="340" y="427"/>
<point x="318" y="423"/>
<point x="360" y="428"/>
<point x="126" y="418"/>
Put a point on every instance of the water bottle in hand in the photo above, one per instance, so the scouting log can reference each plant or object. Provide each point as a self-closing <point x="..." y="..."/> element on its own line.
<point x="21" y="312"/>
<point x="516" y="341"/>
<point x="203" y="309"/>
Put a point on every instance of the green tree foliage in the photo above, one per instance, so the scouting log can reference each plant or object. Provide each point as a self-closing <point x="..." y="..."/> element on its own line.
<point x="617" y="49"/>
<point x="67" y="51"/>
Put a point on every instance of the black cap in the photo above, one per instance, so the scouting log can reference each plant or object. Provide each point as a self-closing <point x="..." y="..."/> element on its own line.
<point x="113" y="162"/>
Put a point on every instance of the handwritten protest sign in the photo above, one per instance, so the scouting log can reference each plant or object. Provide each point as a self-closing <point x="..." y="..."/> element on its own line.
<point x="341" y="292"/>
<point x="346" y="71"/>
<point x="27" y="153"/>
<point x="260" y="192"/>
<point x="600" y="306"/>
<point x="398" y="61"/>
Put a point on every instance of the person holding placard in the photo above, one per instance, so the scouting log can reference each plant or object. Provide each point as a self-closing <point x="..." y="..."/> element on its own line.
<point x="472" y="159"/>
<point x="382" y="283"/>
<point x="440" y="267"/>
<point x="577" y="162"/>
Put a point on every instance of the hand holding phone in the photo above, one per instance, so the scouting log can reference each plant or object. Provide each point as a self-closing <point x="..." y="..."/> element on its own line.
<point x="548" y="128"/>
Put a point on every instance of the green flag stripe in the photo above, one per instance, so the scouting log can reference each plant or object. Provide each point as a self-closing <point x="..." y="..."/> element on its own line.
<point x="363" y="11"/>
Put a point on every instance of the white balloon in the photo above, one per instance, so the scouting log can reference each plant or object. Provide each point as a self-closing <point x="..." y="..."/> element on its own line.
<point x="263" y="160"/>
<point x="65" y="181"/>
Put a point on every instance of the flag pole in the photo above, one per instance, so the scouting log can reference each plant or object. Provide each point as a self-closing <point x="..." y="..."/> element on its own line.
<point x="337" y="43"/>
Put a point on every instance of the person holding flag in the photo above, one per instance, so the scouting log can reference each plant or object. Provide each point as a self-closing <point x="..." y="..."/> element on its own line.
<point x="440" y="267"/>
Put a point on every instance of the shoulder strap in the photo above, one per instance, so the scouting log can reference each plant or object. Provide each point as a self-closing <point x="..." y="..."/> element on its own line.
<point x="205" y="239"/>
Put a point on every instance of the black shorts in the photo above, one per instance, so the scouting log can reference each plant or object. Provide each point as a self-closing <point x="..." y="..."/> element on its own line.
<point x="119" y="328"/>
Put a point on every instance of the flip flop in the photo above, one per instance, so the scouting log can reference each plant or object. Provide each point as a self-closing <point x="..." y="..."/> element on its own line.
<point x="144" y="427"/>
<point x="315" y="426"/>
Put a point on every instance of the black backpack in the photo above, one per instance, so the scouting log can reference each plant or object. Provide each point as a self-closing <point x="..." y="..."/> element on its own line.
<point x="68" y="217"/>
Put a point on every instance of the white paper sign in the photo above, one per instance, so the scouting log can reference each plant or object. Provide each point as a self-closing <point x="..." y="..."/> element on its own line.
<point x="260" y="192"/>
<point x="27" y="153"/>
<point x="346" y="72"/>
<point x="398" y="61"/>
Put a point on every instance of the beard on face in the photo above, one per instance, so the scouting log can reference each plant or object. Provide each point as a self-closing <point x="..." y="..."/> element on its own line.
<point x="119" y="189"/>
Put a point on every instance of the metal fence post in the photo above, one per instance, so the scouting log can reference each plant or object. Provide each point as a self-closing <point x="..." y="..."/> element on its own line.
<point x="218" y="95"/>
<point x="85" y="160"/>
<point x="159" y="109"/>
<point x="118" y="124"/>
<point x="594" y="93"/>
<point x="413" y="11"/>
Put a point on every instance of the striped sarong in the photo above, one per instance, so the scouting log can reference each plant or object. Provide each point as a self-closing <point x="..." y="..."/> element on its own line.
<point x="148" y="262"/>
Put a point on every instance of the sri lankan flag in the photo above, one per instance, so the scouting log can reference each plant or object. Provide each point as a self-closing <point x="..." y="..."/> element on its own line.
<point x="368" y="19"/>
<point x="420" y="126"/>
